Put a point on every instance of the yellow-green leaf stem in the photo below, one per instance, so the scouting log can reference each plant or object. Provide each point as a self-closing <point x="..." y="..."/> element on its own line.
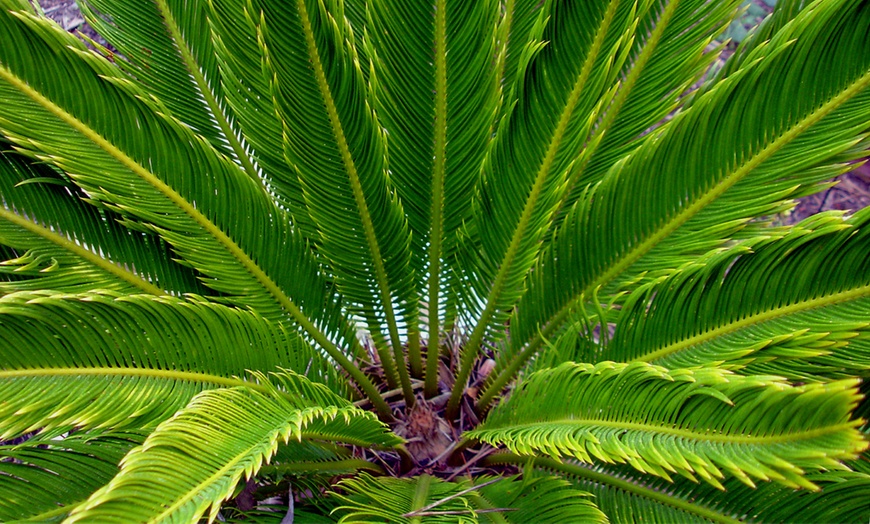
<point x="209" y="227"/>
<point x="421" y="495"/>
<point x="168" y="374"/>
<point x="611" y="480"/>
<point x="67" y="244"/>
<point x="217" y="112"/>
<point x="471" y="349"/>
<point x="757" y="318"/>
<point x="666" y="229"/>
<point x="437" y="213"/>
<point x="362" y="206"/>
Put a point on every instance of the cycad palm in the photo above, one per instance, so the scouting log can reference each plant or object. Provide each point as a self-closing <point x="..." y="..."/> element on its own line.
<point x="256" y="213"/>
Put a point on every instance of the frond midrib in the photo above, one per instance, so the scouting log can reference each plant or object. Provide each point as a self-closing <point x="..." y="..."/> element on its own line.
<point x="757" y="318"/>
<point x="79" y="251"/>
<point x="437" y="211"/>
<point x="106" y="371"/>
<point x="794" y="436"/>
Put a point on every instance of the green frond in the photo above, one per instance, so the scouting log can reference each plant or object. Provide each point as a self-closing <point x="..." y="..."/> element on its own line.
<point x="312" y="468"/>
<point x="109" y="361"/>
<point x="42" y="479"/>
<point x="756" y="139"/>
<point x="332" y="137"/>
<point x="625" y="496"/>
<point x="795" y="306"/>
<point x="193" y="461"/>
<point x="437" y="140"/>
<point x="167" y="47"/>
<point x="670" y="51"/>
<point x="63" y="244"/>
<point x="517" y="37"/>
<point x="247" y="88"/>
<point x="695" y="423"/>
<point x="428" y="499"/>
<point x="174" y="183"/>
<point x="566" y="75"/>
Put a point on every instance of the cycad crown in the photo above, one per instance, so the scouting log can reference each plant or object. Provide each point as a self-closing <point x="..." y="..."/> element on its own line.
<point x="381" y="260"/>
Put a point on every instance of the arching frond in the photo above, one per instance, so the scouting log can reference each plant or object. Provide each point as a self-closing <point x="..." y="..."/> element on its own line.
<point x="436" y="144"/>
<point x="42" y="479"/>
<point x="701" y="179"/>
<point x="167" y="47"/>
<point x="428" y="499"/>
<point x="332" y="137"/>
<point x="107" y="361"/>
<point x="796" y="306"/>
<point x="625" y="496"/>
<point x="66" y="245"/>
<point x="670" y="51"/>
<point x="192" y="462"/>
<point x="695" y="423"/>
<point x="173" y="183"/>
<point x="528" y="164"/>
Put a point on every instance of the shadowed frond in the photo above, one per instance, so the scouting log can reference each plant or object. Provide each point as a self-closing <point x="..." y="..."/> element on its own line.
<point x="625" y="496"/>
<point x="106" y="361"/>
<point x="332" y="137"/>
<point x="795" y="306"/>
<point x="701" y="179"/>
<point x="41" y="480"/>
<point x="428" y="499"/>
<point x="66" y="245"/>
<point x="703" y="422"/>
<point x="192" y="462"/>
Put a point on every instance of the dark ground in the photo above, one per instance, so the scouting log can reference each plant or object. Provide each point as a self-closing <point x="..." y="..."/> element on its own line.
<point x="851" y="193"/>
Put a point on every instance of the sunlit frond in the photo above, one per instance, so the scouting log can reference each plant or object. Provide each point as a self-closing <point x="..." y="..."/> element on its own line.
<point x="108" y="361"/>
<point x="703" y="423"/>
<point x="192" y="462"/>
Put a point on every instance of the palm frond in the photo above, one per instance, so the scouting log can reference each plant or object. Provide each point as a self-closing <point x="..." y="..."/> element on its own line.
<point x="529" y="162"/>
<point x="516" y="38"/>
<point x="164" y="183"/>
<point x="42" y="480"/>
<point x="247" y="88"/>
<point x="442" y="65"/>
<point x="192" y="462"/>
<point x="65" y="245"/>
<point x="767" y="137"/>
<point x="167" y="47"/>
<point x="541" y="499"/>
<point x="625" y="496"/>
<point x="108" y="361"/>
<point x="703" y="422"/>
<point x="795" y="306"/>
<point x="332" y="137"/>
<point x="670" y="51"/>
